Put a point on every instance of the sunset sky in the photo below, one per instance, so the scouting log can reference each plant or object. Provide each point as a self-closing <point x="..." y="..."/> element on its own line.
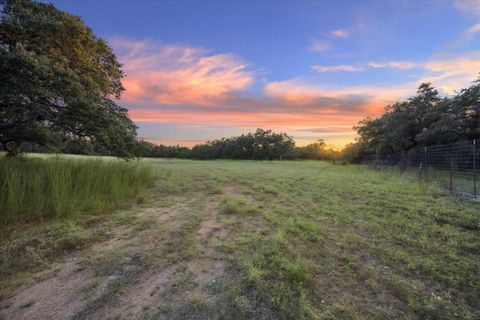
<point x="197" y="71"/>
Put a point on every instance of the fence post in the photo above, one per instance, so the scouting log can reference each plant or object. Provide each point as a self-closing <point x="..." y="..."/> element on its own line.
<point x="451" y="176"/>
<point x="474" y="168"/>
<point x="426" y="166"/>
<point x="402" y="162"/>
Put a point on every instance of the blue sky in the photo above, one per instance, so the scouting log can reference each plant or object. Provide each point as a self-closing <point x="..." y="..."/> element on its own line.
<point x="204" y="69"/>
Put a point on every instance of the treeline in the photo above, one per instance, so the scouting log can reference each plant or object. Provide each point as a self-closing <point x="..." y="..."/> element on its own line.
<point x="425" y="119"/>
<point x="260" y="145"/>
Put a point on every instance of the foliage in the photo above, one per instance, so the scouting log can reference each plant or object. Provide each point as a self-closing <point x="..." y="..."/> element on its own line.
<point x="58" y="80"/>
<point x="260" y="145"/>
<point x="422" y="120"/>
<point x="352" y="153"/>
<point x="39" y="189"/>
<point x="317" y="150"/>
<point x="161" y="151"/>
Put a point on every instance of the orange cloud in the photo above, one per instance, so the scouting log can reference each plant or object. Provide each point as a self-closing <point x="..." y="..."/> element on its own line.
<point x="174" y="74"/>
<point x="244" y="119"/>
<point x="179" y="85"/>
<point x="451" y="74"/>
<point x="359" y="100"/>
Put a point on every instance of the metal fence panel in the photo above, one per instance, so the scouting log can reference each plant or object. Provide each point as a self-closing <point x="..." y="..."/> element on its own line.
<point x="453" y="166"/>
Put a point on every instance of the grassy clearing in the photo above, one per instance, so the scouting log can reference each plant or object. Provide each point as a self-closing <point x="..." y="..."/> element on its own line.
<point x="315" y="241"/>
<point x="283" y="240"/>
<point x="33" y="189"/>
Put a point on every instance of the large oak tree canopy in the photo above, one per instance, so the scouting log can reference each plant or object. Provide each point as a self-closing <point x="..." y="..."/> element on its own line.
<point x="425" y="119"/>
<point x="57" y="82"/>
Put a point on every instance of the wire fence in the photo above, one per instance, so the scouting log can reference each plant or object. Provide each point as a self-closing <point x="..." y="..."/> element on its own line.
<point x="454" y="167"/>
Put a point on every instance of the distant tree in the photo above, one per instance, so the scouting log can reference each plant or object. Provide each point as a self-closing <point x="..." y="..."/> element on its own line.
<point x="161" y="151"/>
<point x="422" y="120"/>
<point x="57" y="82"/>
<point x="144" y="148"/>
<point x="353" y="153"/>
<point x="314" y="150"/>
<point x="268" y="145"/>
<point x="203" y="152"/>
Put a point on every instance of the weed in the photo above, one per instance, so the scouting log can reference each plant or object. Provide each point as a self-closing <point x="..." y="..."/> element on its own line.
<point x="233" y="205"/>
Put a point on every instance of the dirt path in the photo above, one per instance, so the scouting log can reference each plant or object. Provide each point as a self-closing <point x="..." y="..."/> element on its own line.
<point x="161" y="263"/>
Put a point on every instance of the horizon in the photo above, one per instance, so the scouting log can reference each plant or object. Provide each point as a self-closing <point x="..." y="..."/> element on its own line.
<point x="198" y="71"/>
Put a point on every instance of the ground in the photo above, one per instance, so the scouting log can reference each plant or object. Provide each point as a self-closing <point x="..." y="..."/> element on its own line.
<point x="255" y="240"/>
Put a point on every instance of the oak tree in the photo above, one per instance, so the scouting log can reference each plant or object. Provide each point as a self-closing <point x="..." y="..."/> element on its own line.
<point x="58" y="82"/>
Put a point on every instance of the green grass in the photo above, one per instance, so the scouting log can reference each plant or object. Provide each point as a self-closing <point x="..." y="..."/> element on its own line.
<point x="232" y="205"/>
<point x="297" y="239"/>
<point x="39" y="189"/>
<point x="315" y="241"/>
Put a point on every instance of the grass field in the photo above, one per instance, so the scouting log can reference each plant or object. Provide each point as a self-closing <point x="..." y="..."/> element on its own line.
<point x="255" y="240"/>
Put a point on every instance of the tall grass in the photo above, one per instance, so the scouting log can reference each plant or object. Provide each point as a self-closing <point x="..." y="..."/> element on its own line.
<point x="41" y="189"/>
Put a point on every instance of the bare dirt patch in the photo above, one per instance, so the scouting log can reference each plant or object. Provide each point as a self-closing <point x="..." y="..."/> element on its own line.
<point x="137" y="299"/>
<point x="58" y="297"/>
<point x="114" y="278"/>
<point x="205" y="271"/>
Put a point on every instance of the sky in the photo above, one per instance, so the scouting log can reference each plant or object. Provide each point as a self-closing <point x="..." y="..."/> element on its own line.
<point x="202" y="70"/>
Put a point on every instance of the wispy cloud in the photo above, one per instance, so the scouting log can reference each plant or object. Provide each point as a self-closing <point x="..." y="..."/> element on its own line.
<point x="451" y="73"/>
<point x="471" y="7"/>
<point x="177" y="74"/>
<point x="183" y="85"/>
<point x="327" y="129"/>
<point x="319" y="45"/>
<point x="463" y="38"/>
<point x="393" y="65"/>
<point x="361" y="100"/>
<point x="473" y="29"/>
<point x="339" y="33"/>
<point x="362" y="67"/>
<point x="342" y="67"/>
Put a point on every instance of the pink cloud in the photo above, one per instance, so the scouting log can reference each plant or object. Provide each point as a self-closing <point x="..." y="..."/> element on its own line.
<point x="175" y="74"/>
<point x="473" y="29"/>
<point x="244" y="119"/>
<point x="177" y="84"/>
<point x="367" y="100"/>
